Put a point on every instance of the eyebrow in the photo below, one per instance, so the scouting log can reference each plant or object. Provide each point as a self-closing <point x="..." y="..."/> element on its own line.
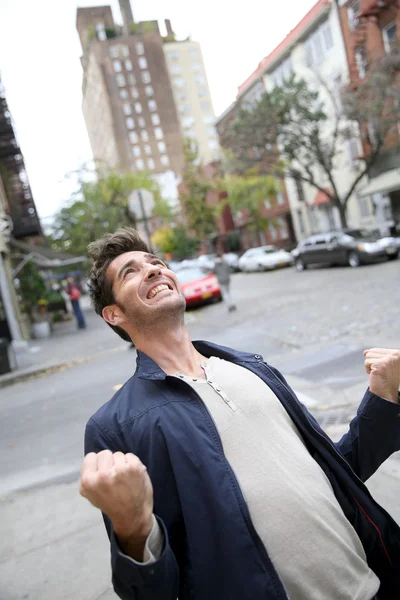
<point x="132" y="262"/>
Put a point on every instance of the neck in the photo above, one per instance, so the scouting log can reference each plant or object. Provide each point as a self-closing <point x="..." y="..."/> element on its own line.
<point x="172" y="350"/>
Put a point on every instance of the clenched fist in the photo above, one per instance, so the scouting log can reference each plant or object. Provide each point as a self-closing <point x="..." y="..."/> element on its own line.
<point x="119" y="485"/>
<point x="383" y="366"/>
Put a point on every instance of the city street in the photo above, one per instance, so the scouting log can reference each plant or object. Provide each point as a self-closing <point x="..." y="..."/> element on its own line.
<point x="313" y="326"/>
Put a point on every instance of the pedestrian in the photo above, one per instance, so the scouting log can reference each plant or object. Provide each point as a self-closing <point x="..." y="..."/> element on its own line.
<point x="215" y="483"/>
<point x="74" y="296"/>
<point x="223" y="273"/>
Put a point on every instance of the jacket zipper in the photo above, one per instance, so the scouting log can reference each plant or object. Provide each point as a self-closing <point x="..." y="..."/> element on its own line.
<point x="342" y="460"/>
<point x="243" y="504"/>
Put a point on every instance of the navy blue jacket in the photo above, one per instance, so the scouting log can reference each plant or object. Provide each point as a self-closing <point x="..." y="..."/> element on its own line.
<point x="212" y="551"/>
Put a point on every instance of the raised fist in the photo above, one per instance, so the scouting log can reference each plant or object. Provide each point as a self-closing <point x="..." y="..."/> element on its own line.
<point x="383" y="366"/>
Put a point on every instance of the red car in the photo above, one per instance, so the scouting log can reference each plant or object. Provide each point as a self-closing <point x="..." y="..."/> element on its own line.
<point x="199" y="286"/>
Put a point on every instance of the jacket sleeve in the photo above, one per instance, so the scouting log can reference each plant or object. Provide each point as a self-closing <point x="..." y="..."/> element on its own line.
<point x="158" y="580"/>
<point x="373" y="435"/>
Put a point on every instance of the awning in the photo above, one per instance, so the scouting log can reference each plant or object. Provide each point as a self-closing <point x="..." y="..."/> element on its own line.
<point x="322" y="197"/>
<point x="44" y="258"/>
<point x="383" y="183"/>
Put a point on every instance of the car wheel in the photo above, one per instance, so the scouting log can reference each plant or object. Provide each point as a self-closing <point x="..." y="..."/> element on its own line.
<point x="392" y="256"/>
<point x="300" y="265"/>
<point x="354" y="259"/>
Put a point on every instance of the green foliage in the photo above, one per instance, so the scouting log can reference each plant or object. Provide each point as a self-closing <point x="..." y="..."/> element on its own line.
<point x="148" y="27"/>
<point x="97" y="208"/>
<point x="200" y="216"/>
<point x="175" y="241"/>
<point x="110" y="33"/>
<point x="133" y="28"/>
<point x="32" y="287"/>
<point x="248" y="193"/>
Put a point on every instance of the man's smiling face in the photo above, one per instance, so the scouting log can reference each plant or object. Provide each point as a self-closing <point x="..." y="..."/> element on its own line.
<point x="144" y="289"/>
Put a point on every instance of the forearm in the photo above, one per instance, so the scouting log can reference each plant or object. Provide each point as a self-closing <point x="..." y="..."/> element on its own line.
<point x="145" y="550"/>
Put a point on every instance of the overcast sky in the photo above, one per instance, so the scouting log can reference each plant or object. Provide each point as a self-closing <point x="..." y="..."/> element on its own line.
<point x="40" y="68"/>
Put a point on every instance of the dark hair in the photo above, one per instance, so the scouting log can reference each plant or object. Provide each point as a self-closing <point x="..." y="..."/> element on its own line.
<point x="102" y="252"/>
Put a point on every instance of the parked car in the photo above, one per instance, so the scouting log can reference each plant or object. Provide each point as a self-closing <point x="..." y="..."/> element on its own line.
<point x="340" y="248"/>
<point x="264" y="258"/>
<point x="199" y="286"/>
<point x="232" y="259"/>
<point x="206" y="261"/>
<point x="388" y="242"/>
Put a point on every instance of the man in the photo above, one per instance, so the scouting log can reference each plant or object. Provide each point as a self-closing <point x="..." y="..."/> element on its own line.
<point x="74" y="295"/>
<point x="223" y="273"/>
<point x="214" y="481"/>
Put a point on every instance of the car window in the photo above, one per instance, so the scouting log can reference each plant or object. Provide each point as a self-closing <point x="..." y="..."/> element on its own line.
<point x="270" y="250"/>
<point x="320" y="241"/>
<point x="191" y="274"/>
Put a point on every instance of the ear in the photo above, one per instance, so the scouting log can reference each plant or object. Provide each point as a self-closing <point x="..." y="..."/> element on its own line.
<point x="113" y="315"/>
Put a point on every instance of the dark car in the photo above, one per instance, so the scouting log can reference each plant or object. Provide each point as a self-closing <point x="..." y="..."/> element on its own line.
<point x="354" y="248"/>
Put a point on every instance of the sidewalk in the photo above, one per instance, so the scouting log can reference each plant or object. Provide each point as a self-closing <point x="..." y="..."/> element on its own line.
<point x="66" y="346"/>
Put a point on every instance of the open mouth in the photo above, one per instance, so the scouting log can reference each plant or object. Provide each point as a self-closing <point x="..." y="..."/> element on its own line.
<point x="159" y="288"/>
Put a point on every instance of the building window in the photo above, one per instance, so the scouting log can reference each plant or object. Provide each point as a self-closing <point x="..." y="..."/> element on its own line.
<point x="133" y="137"/>
<point x="128" y="65"/>
<point x="267" y="204"/>
<point x="134" y="93"/>
<point x="145" y="136"/>
<point x="364" y="208"/>
<point x="138" y="107"/>
<point x="299" y="190"/>
<point x="130" y="123"/>
<point x="139" y="48"/>
<point x="181" y="95"/>
<point x="212" y="144"/>
<point x="120" y="79"/>
<point x="149" y="90"/>
<point x="140" y="164"/>
<point x="114" y="51"/>
<point x="196" y="67"/>
<point x="353" y="12"/>
<point x="200" y="79"/>
<point x="152" y="105"/>
<point x="131" y="79"/>
<point x="164" y="160"/>
<point x="126" y="107"/>
<point x="337" y="91"/>
<point x="176" y="69"/>
<point x="185" y="109"/>
<point x="125" y="51"/>
<point x="161" y="147"/>
<point x="208" y="120"/>
<point x="146" y="77"/>
<point x="211" y="131"/>
<point x="158" y="132"/>
<point x="319" y="44"/>
<point x="190" y="133"/>
<point x="147" y="149"/>
<point x="390" y="37"/>
<point x="173" y="55"/>
<point x="280" y="198"/>
<point x="272" y="232"/>
<point x="276" y="78"/>
<point x="151" y="164"/>
<point x="202" y="92"/>
<point x="101" y="32"/>
<point x="361" y="62"/>
<point x="283" y="232"/>
<point x="352" y="150"/>
<point x="142" y="62"/>
<point x="117" y="66"/>
<point x="179" y="82"/>
<point x="123" y="94"/>
<point x="194" y="52"/>
<point x="205" y="105"/>
<point x="136" y="151"/>
<point x="301" y="221"/>
<point x="141" y="122"/>
<point x="155" y="119"/>
<point x="187" y="121"/>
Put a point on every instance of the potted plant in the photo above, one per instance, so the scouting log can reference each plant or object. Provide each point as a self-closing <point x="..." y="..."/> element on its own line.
<point x="34" y="297"/>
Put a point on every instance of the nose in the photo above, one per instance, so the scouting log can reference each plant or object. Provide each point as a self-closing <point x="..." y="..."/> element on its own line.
<point x="152" y="271"/>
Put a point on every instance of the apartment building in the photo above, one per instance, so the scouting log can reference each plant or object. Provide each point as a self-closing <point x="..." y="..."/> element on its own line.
<point x="315" y="51"/>
<point x="192" y="96"/>
<point x="371" y="30"/>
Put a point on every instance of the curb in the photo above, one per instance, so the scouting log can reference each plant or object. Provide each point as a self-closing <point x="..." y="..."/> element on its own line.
<point x="50" y="368"/>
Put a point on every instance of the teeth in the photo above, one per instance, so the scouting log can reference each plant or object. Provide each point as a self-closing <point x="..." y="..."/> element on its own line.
<point x="159" y="288"/>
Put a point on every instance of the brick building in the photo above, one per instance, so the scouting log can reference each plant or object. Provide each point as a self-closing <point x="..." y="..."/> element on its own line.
<point x="371" y="30"/>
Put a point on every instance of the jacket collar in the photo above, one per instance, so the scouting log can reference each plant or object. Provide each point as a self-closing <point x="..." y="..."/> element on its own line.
<point x="146" y="368"/>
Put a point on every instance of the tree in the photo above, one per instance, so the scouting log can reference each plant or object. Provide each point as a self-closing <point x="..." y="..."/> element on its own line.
<point x="175" y="241"/>
<point x="292" y="132"/>
<point x="200" y="216"/>
<point x="248" y="193"/>
<point x="96" y="208"/>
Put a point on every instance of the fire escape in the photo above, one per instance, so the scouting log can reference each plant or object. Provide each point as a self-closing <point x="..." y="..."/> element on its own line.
<point x="21" y="206"/>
